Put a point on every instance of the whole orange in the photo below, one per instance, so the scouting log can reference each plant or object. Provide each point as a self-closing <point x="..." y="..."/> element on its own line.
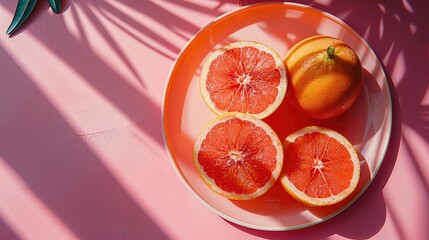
<point x="325" y="76"/>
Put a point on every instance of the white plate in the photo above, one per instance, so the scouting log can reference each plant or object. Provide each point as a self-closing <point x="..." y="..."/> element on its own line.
<point x="280" y="25"/>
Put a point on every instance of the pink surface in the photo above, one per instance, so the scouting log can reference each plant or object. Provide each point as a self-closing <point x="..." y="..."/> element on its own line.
<point x="81" y="148"/>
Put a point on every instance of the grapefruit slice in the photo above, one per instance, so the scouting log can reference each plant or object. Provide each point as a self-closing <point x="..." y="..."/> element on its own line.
<point x="244" y="76"/>
<point x="321" y="166"/>
<point x="238" y="156"/>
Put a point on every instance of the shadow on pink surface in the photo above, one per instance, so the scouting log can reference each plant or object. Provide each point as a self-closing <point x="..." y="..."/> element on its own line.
<point x="6" y="231"/>
<point x="68" y="177"/>
<point x="395" y="31"/>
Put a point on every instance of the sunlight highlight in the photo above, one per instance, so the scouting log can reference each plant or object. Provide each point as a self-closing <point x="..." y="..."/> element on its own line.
<point x="73" y="24"/>
<point x="425" y="102"/>
<point x="290" y="13"/>
<point x="412" y="160"/>
<point x="407" y="6"/>
<point x="400" y="66"/>
<point x="324" y="2"/>
<point x="381" y="28"/>
<point x="413" y="28"/>
<point x="292" y="37"/>
<point x="327" y="27"/>
<point x="381" y="7"/>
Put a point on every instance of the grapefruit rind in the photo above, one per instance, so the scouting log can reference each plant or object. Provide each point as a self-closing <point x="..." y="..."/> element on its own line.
<point x="259" y="123"/>
<point x="280" y="65"/>
<point x="337" y="90"/>
<point x="311" y="201"/>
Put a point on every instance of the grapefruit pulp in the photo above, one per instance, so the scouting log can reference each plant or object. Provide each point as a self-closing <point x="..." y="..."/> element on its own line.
<point x="321" y="166"/>
<point x="244" y="76"/>
<point x="238" y="156"/>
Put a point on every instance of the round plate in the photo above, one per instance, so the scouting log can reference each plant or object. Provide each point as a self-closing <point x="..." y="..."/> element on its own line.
<point x="280" y="25"/>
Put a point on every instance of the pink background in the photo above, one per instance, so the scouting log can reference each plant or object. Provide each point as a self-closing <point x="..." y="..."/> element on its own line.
<point x="81" y="148"/>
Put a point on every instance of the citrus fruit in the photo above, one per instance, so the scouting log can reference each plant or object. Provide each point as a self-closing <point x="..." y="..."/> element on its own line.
<point x="244" y="76"/>
<point x="321" y="166"/>
<point x="325" y="76"/>
<point x="238" y="156"/>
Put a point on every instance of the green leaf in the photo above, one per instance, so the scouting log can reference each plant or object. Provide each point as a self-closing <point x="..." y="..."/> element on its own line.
<point x="23" y="10"/>
<point x="55" y="5"/>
